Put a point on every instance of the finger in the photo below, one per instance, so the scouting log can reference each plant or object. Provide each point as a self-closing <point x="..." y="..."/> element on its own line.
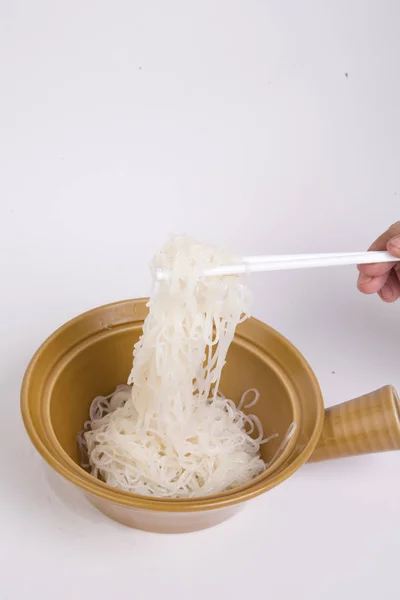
<point x="371" y="285"/>
<point x="393" y="246"/>
<point x="381" y="243"/>
<point x="390" y="292"/>
<point x="389" y="240"/>
<point x="375" y="269"/>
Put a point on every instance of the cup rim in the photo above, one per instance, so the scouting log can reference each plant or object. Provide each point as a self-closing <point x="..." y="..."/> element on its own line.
<point x="58" y="459"/>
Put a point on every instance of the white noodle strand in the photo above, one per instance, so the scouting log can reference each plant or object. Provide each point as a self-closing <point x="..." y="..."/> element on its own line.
<point x="170" y="432"/>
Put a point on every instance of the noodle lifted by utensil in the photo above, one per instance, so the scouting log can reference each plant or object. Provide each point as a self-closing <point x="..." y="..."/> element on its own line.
<point x="170" y="433"/>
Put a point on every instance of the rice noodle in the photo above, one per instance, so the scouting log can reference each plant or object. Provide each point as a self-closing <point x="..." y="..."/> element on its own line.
<point x="170" y="432"/>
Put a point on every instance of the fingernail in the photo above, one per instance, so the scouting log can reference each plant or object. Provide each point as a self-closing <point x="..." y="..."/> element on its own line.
<point x="364" y="279"/>
<point x="395" y="241"/>
<point x="387" y="292"/>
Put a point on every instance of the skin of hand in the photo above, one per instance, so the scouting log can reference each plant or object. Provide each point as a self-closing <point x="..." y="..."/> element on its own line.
<point x="384" y="278"/>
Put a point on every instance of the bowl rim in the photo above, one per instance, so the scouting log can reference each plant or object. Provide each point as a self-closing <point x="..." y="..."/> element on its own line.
<point x="92" y="486"/>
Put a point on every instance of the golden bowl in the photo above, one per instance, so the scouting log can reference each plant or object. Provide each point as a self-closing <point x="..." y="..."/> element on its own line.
<point x="91" y="354"/>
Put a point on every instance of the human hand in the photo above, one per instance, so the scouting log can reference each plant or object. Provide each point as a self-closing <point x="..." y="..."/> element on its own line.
<point x="383" y="278"/>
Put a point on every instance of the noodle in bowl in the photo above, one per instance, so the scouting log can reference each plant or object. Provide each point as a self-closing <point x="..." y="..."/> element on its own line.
<point x="173" y="434"/>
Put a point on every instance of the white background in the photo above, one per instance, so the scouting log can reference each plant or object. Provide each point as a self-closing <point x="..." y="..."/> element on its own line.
<point x="234" y="121"/>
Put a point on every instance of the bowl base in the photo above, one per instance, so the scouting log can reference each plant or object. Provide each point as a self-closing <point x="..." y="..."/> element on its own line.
<point x="163" y="522"/>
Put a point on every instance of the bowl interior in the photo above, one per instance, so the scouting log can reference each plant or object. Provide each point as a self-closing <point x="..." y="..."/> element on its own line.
<point x="92" y="354"/>
<point x="96" y="368"/>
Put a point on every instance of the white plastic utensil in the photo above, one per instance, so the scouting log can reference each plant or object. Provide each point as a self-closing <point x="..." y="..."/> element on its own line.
<point x="256" y="264"/>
